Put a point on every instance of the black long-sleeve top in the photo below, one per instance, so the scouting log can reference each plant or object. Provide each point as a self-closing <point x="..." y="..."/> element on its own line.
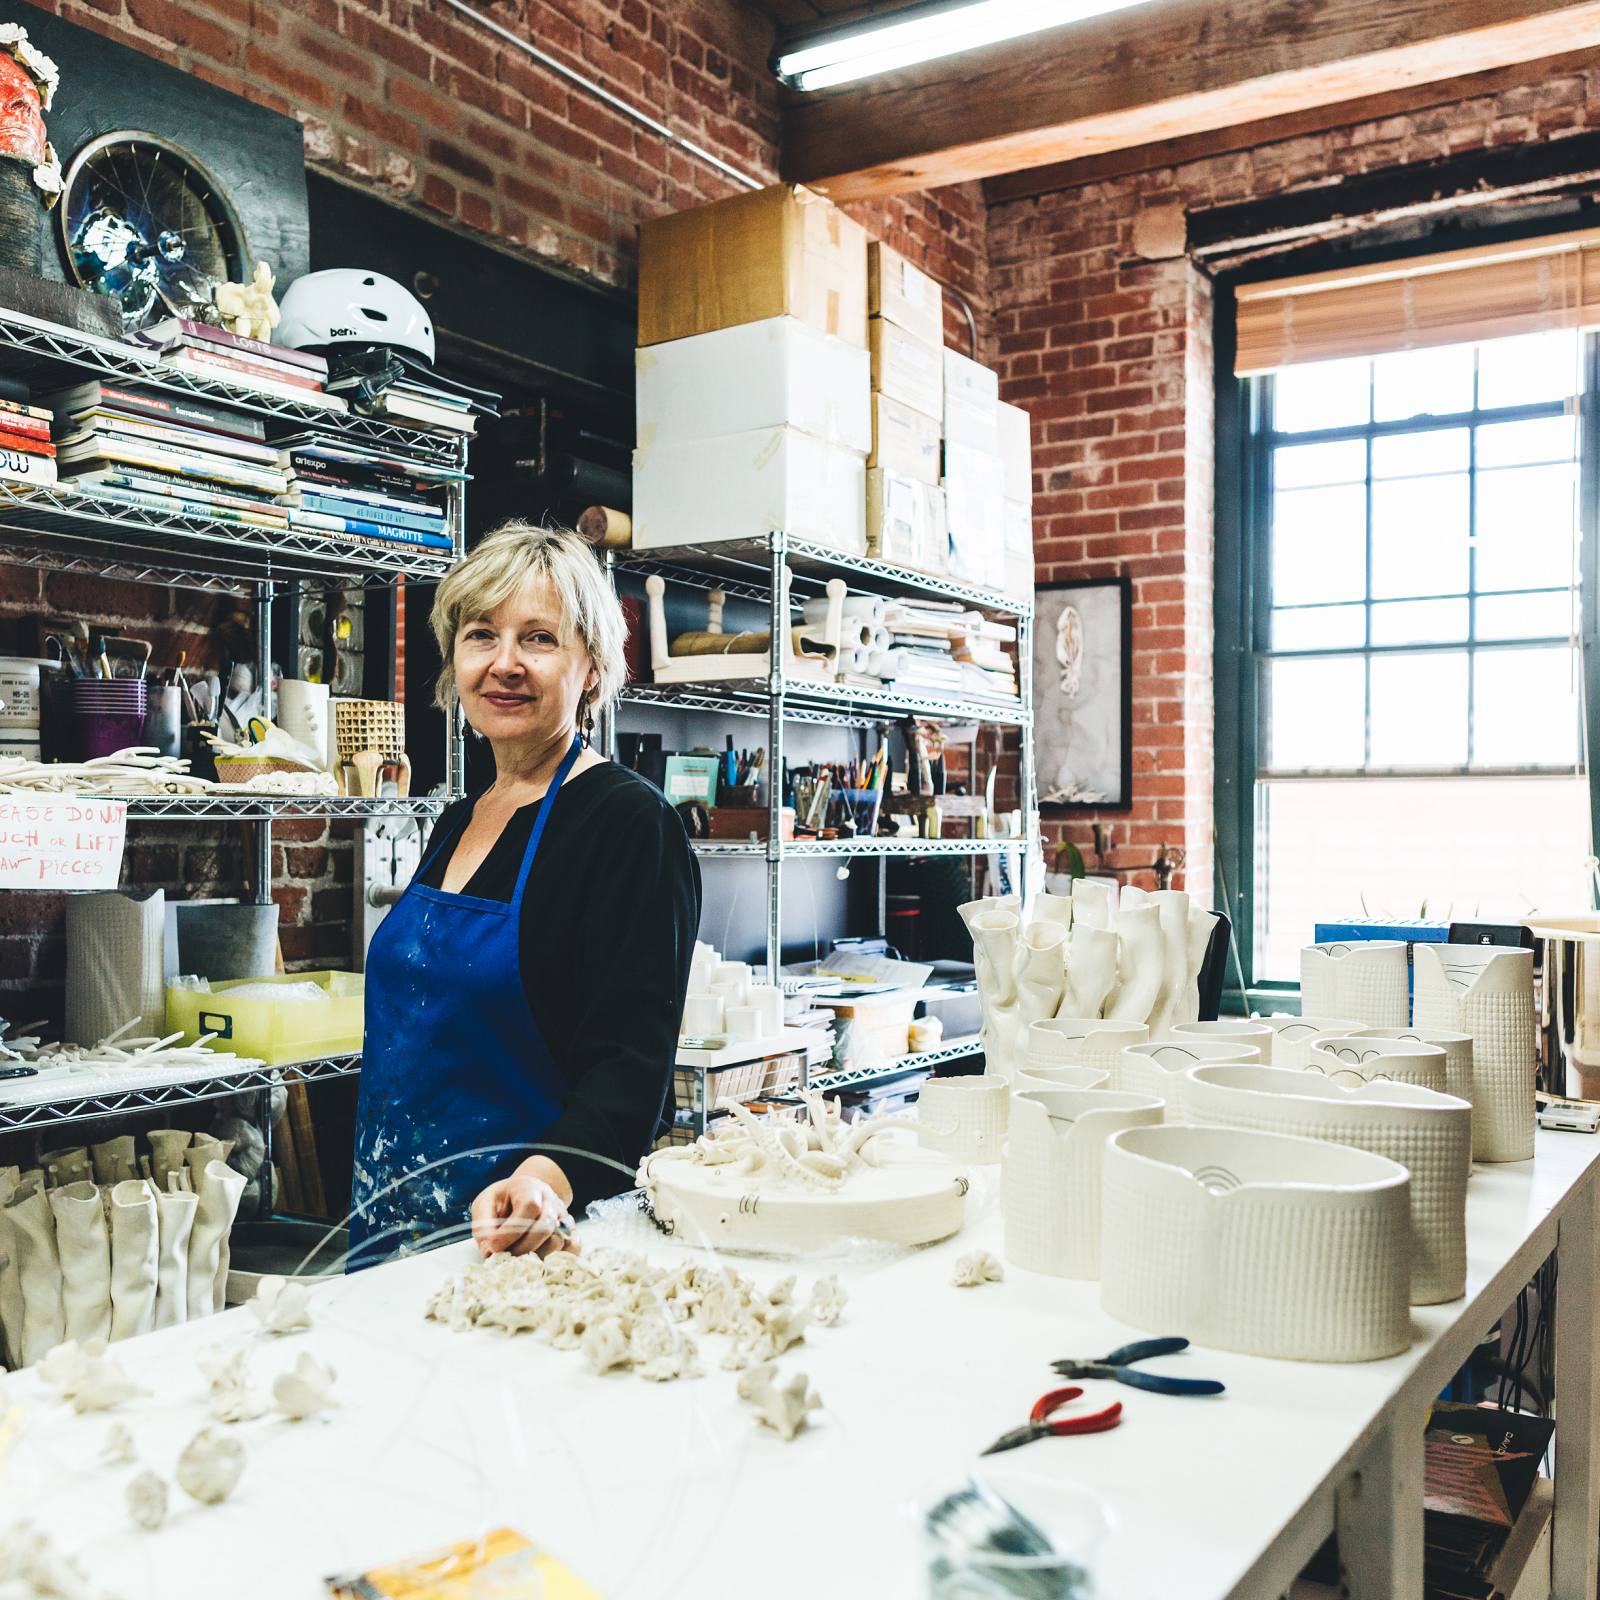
<point x="608" y="927"/>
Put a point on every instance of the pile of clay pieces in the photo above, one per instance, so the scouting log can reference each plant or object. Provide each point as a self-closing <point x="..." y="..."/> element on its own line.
<point x="1127" y="956"/>
<point x="99" y="1243"/>
<point x="626" y="1315"/>
<point x="121" y="1049"/>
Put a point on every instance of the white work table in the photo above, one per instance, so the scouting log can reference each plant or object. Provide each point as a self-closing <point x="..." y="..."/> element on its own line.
<point x="650" y="1490"/>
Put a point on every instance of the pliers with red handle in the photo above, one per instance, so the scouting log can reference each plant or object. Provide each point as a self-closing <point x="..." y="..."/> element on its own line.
<point x="1040" y="1426"/>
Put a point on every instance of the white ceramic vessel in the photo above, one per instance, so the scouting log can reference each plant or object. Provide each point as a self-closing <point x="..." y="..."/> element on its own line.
<point x="1292" y="1037"/>
<point x="1068" y="1077"/>
<point x="1364" y="1057"/>
<point x="1457" y="1049"/>
<point x="1050" y="1184"/>
<point x="1429" y="1134"/>
<point x="964" y="1117"/>
<point x="1081" y="1041"/>
<point x="1257" y="1242"/>
<point x="1229" y="1030"/>
<point x="1368" y="978"/>
<point x="1487" y="991"/>
<point x="1157" y="1068"/>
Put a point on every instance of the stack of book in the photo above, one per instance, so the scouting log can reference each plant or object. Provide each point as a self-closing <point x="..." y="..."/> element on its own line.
<point x="396" y="385"/>
<point x="268" y="369"/>
<point x="167" y="452"/>
<point x="26" y="453"/>
<point x="370" y="493"/>
<point x="939" y="647"/>
<point x="987" y="672"/>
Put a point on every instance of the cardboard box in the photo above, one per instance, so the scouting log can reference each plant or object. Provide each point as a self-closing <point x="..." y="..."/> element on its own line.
<point x="773" y="374"/>
<point x="899" y="293"/>
<point x="906" y="368"/>
<point x="974" y="486"/>
<point x="746" y="485"/>
<point x="971" y="404"/>
<point x="779" y="252"/>
<point x="904" y="440"/>
<point x="905" y="521"/>
<point x="1016" y="450"/>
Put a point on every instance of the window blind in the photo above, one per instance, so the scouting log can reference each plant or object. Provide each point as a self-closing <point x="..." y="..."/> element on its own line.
<point x="1457" y="297"/>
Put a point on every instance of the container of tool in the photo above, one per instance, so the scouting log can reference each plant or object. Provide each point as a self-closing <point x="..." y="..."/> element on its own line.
<point x="110" y="714"/>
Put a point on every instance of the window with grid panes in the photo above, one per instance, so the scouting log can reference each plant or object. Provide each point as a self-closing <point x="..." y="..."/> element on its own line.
<point x="1416" y="611"/>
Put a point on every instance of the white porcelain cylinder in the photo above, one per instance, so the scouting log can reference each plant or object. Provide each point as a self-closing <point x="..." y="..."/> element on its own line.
<point x="1457" y="1049"/>
<point x="1366" y="978"/>
<point x="303" y="712"/>
<point x="1229" y="1030"/>
<point x="964" y="1117"/>
<point x="730" y="993"/>
<point x="1292" y="1037"/>
<point x="1050" y="1184"/>
<point x="1257" y="1242"/>
<point x="1365" y="1057"/>
<point x="1080" y="1041"/>
<point x="1157" y="1068"/>
<point x="768" y="1001"/>
<point x="702" y="1016"/>
<point x="744" y="1022"/>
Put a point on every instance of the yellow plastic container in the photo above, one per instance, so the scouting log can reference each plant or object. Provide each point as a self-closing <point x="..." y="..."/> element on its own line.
<point x="274" y="1031"/>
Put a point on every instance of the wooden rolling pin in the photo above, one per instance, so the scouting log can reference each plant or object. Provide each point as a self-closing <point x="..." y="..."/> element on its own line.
<point x="608" y="529"/>
<point x="747" y="644"/>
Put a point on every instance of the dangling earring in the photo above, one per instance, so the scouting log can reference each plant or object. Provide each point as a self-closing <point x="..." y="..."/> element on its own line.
<point x="588" y="721"/>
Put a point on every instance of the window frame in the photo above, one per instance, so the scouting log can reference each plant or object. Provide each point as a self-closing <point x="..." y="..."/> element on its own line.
<point x="1242" y="614"/>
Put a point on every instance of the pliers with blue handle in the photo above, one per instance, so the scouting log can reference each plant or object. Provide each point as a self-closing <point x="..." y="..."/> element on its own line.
<point x="1119" y="1367"/>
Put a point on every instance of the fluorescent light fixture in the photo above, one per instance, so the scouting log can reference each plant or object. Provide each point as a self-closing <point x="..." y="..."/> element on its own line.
<point x="926" y="34"/>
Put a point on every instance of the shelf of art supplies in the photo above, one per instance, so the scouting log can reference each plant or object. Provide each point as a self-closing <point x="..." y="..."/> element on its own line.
<point x="809" y="700"/>
<point x="45" y="354"/>
<point x="886" y="1071"/>
<point x="72" y="1094"/>
<point x="742" y="569"/>
<point x="788" y="848"/>
<point x="58" y="528"/>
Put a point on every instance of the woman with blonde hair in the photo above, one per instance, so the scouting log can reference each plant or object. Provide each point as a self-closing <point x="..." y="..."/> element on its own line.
<point x="524" y="994"/>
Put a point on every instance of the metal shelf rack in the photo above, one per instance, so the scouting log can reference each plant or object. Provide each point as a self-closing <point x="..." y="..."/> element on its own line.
<point x="279" y="807"/>
<point x="109" y="1102"/>
<point x="903" y="1066"/>
<point x="791" y="849"/>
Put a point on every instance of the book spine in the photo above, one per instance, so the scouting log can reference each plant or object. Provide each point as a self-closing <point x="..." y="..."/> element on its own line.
<point x="260" y="456"/>
<point x="378" y="530"/>
<point x="189" y="463"/>
<point x="403" y="491"/>
<point x="192" y="355"/>
<point x="202" y="333"/>
<point x="19" y="409"/>
<point x="25" y="444"/>
<point x="200" y="510"/>
<point x="18" y="423"/>
<point x="334" y="506"/>
<point x="15" y="467"/>
<point x="170" y="408"/>
<point x="137" y="483"/>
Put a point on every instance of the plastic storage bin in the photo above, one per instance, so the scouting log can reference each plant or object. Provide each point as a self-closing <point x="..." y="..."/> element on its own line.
<point x="274" y="1031"/>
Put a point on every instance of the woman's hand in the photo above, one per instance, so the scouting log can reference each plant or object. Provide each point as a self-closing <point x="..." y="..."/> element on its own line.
<point x="525" y="1213"/>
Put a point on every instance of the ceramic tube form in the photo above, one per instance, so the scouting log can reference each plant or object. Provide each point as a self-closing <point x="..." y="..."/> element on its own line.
<point x="964" y="1117"/>
<point x="1081" y="1041"/>
<point x="1229" y="1030"/>
<point x="220" y="1187"/>
<point x="33" y="1232"/>
<point x="1363" y="1058"/>
<point x="85" y="1250"/>
<point x="10" y="1277"/>
<point x="1292" y="1037"/>
<point x="1369" y="979"/>
<point x="134" y="1259"/>
<point x="1157" y="1068"/>
<point x="175" y="1213"/>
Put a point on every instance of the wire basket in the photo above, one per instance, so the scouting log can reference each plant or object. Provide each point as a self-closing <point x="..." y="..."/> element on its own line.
<point x="369" y="725"/>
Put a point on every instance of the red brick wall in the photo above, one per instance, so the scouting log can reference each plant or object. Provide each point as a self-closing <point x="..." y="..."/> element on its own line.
<point x="1111" y="352"/>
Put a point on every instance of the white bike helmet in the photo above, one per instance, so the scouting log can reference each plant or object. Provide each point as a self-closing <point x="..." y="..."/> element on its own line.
<point x="347" y="306"/>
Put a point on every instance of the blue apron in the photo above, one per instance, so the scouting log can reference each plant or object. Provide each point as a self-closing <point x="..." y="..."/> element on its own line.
<point x="456" y="1080"/>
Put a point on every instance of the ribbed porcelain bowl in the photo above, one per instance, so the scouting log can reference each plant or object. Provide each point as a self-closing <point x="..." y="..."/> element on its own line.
<point x="1429" y="1134"/>
<point x="1063" y="1078"/>
<point x="1257" y="1242"/>
<point x="1228" y="1030"/>
<point x="1081" y="1042"/>
<point x="1369" y="978"/>
<point x="1050" y="1183"/>
<point x="1363" y="1057"/>
<point x="964" y="1117"/>
<point x="1158" y="1068"/>
<point x="1292" y="1037"/>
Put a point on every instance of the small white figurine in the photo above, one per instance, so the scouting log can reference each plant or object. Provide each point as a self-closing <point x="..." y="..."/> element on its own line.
<point x="248" y="309"/>
<point x="304" y="1391"/>
<point x="281" y="1306"/>
<point x="783" y="1408"/>
<point x="976" y="1268"/>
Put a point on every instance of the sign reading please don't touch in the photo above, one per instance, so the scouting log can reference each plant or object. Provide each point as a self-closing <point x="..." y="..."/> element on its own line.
<point x="61" y="844"/>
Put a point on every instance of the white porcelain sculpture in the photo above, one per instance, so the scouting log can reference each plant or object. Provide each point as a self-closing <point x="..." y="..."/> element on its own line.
<point x="786" y="1407"/>
<point x="84" y="1248"/>
<point x="1069" y="1077"/>
<point x="1139" y="953"/>
<point x="1091" y="971"/>
<point x="1157" y="1069"/>
<point x="1050" y="1184"/>
<point x="134" y="1258"/>
<point x="760" y="1185"/>
<point x="1041" y="975"/>
<point x="1363" y="1058"/>
<point x="1081" y="1042"/>
<point x="10" y="1276"/>
<point x="1228" y="1030"/>
<point x="1487" y="991"/>
<point x="210" y="1466"/>
<point x="975" y="1269"/>
<point x="964" y="1118"/>
<point x="995" y="924"/>
<point x="1368" y="978"/>
<point x="175" y="1213"/>
<point x="1429" y="1134"/>
<point x="1292" y="1037"/>
<point x="33" y="1234"/>
<point x="167" y="1147"/>
<point x="219" y="1188"/>
<point x="1457" y="1049"/>
<point x="1257" y="1242"/>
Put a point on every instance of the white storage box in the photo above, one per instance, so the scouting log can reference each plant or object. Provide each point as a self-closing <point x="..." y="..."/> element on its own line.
<point x="1016" y="451"/>
<point x="974" y="484"/>
<point x="904" y="440"/>
<point x="1019" y="550"/>
<point x="899" y="293"/>
<point x="906" y="368"/>
<point x="778" y="373"/>
<point x="747" y="485"/>
<point x="905" y="520"/>
<point x="971" y="404"/>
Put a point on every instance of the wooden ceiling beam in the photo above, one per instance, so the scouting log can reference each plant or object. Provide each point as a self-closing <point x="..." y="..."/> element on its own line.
<point x="1169" y="72"/>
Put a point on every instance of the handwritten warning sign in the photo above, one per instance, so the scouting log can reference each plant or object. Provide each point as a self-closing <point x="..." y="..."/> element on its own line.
<point x="61" y="844"/>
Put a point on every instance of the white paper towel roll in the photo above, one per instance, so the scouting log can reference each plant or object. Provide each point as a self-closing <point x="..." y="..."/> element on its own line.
<point x="866" y="608"/>
<point x="115" y="965"/>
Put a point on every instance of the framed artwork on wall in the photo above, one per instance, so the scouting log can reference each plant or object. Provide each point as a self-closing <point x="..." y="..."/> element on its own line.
<point x="1083" y="694"/>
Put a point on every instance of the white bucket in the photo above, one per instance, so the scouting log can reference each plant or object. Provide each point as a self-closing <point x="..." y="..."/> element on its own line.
<point x="19" y="691"/>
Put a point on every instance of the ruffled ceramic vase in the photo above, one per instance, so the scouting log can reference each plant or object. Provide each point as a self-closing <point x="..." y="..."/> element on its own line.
<point x="33" y="1235"/>
<point x="1051" y="1181"/>
<point x="964" y="1117"/>
<point x="1368" y="978"/>
<point x="1429" y="1134"/>
<point x="1257" y="1242"/>
<point x="1487" y="991"/>
<point x="995" y="925"/>
<point x="1364" y="1058"/>
<point x="1157" y="1068"/>
<point x="10" y="1276"/>
<point x="84" y="1247"/>
<point x="1091" y="971"/>
<point x="1292" y="1037"/>
<point x="219" y="1190"/>
<point x="134" y="1258"/>
<point x="1228" y="1030"/>
<point x="1140" y="969"/>
<point x="175" y="1214"/>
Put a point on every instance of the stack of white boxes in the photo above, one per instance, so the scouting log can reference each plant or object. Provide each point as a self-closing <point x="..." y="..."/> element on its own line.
<point x="1016" y="456"/>
<point x="905" y="505"/>
<point x="752" y="422"/>
<point x="974" y="475"/>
